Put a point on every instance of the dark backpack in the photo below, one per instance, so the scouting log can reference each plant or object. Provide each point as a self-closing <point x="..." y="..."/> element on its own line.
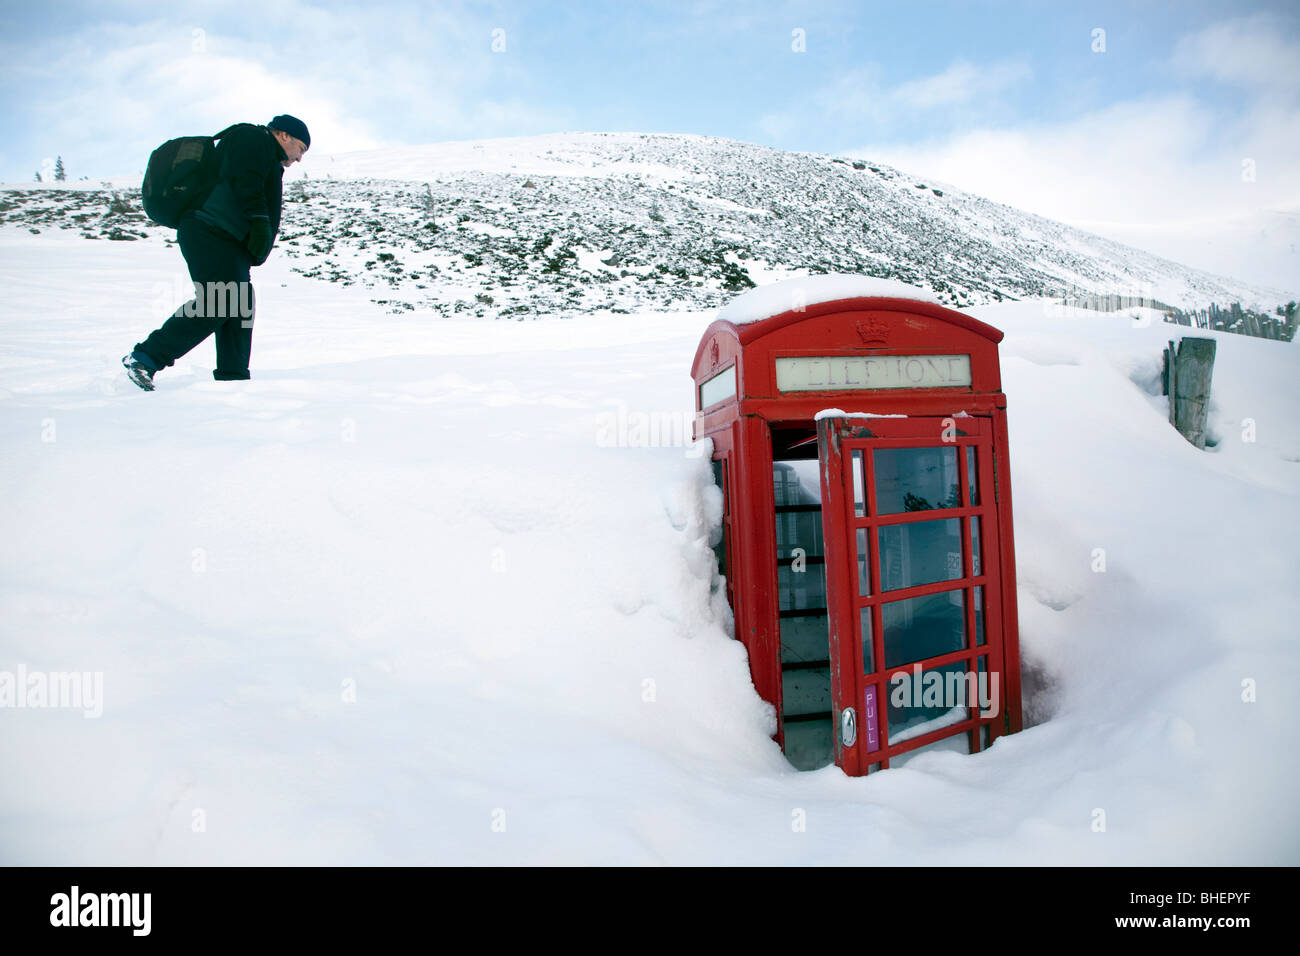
<point x="180" y="174"/>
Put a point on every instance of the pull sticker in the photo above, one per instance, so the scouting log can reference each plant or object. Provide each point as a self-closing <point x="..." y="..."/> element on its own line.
<point x="873" y="728"/>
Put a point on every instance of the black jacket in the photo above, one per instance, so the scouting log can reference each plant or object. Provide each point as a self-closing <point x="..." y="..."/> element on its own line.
<point x="249" y="181"/>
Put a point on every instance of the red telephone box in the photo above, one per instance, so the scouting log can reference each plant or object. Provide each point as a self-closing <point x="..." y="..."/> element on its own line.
<point x="861" y="446"/>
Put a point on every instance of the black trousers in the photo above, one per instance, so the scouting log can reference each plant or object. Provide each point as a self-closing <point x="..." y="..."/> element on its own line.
<point x="223" y="303"/>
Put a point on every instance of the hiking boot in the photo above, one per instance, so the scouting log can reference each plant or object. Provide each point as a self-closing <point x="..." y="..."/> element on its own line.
<point x="138" y="372"/>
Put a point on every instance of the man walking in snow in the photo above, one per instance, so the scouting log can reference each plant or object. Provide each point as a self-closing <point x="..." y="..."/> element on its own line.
<point x="232" y="230"/>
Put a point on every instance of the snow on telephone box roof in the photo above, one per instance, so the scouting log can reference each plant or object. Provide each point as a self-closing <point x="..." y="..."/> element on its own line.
<point x="888" y="319"/>
<point x="769" y="300"/>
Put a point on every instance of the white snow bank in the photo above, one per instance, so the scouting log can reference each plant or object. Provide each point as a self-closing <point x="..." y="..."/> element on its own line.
<point x="429" y="591"/>
<point x="769" y="300"/>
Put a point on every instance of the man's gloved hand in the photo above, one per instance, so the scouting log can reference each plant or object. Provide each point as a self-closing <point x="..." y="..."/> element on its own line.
<point x="259" y="239"/>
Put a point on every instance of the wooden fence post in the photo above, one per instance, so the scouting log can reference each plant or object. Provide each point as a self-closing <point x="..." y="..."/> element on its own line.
<point x="1188" y="375"/>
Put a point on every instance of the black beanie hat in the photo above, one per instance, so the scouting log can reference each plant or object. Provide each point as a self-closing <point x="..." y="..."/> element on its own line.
<point x="293" y="126"/>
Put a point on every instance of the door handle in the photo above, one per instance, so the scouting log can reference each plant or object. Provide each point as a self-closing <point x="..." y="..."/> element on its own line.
<point x="848" y="727"/>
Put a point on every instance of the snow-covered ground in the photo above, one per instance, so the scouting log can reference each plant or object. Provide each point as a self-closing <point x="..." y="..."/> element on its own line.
<point x="400" y="599"/>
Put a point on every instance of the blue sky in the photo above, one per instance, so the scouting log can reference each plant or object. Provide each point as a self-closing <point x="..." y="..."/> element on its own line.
<point x="1012" y="100"/>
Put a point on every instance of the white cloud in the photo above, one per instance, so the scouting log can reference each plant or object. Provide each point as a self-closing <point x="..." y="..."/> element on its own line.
<point x="861" y="96"/>
<point x="961" y="82"/>
<point x="1248" y="52"/>
<point x="1130" y="159"/>
<point x="1168" y="174"/>
<point x="104" y="94"/>
<point x="130" y="89"/>
<point x="1216" y="187"/>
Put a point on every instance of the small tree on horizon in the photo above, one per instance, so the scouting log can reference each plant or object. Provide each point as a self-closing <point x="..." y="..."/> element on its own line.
<point x="60" y="174"/>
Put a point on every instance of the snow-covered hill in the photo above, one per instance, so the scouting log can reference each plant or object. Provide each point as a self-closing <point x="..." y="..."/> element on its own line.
<point x="578" y="223"/>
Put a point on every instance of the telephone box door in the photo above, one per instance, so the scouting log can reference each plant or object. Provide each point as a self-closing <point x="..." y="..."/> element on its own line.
<point x="911" y="542"/>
